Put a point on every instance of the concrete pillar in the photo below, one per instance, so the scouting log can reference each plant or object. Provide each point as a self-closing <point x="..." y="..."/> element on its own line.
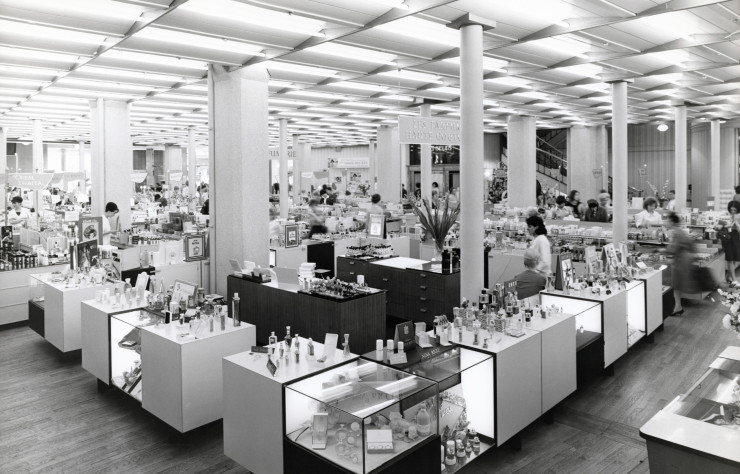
<point x="471" y="153"/>
<point x="82" y="165"/>
<point x="38" y="146"/>
<point x="373" y="170"/>
<point x="192" y="161"/>
<point x="297" y="169"/>
<point x="714" y="177"/>
<point x="681" y="160"/>
<point x="619" y="161"/>
<point x="112" y="158"/>
<point x="284" y="187"/>
<point x="4" y="152"/>
<point x="405" y="168"/>
<point x="522" y="169"/>
<point x="583" y="159"/>
<point x="239" y="208"/>
<point x="425" y="154"/>
<point x="602" y="151"/>
<point x="388" y="161"/>
<point x="172" y="163"/>
<point x="150" y="178"/>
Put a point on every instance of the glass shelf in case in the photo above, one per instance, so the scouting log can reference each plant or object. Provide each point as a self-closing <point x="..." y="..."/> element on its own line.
<point x="361" y="415"/>
<point x="715" y="398"/>
<point x="466" y="393"/>
<point x="125" y="349"/>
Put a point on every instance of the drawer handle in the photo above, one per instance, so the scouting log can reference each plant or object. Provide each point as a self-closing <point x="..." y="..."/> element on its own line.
<point x="422" y="275"/>
<point x="385" y="279"/>
<point x="351" y="263"/>
<point x="351" y="273"/>
<point x="423" y="287"/>
<point x="422" y="310"/>
<point x="422" y="299"/>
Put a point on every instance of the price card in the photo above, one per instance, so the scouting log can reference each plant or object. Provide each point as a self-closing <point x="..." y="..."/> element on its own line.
<point x="71" y="216"/>
<point x="398" y="358"/>
<point x="641" y="265"/>
<point x="271" y="366"/>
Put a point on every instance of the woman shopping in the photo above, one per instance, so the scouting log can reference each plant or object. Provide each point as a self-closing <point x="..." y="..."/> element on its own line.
<point x="540" y="245"/>
<point x="730" y="237"/>
<point x="681" y="249"/>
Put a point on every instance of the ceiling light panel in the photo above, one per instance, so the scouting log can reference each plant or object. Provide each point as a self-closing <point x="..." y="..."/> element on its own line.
<point x="134" y="58"/>
<point x="353" y="53"/>
<point x="416" y="28"/>
<point x="193" y="40"/>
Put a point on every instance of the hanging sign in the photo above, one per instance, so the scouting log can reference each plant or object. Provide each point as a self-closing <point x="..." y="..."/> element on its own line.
<point x="139" y="176"/>
<point x="33" y="181"/>
<point x="175" y="176"/>
<point x="429" y="131"/>
<point x="360" y="162"/>
<point x="274" y="153"/>
<point x="307" y="175"/>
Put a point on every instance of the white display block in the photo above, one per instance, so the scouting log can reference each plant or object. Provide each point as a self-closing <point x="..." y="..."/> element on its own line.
<point x="401" y="262"/>
<point x="559" y="372"/>
<point x="14" y="292"/>
<point x="63" y="311"/>
<point x="95" y="343"/>
<point x="653" y="299"/>
<point x="182" y="380"/>
<point x="253" y="405"/>
<point x="193" y="272"/>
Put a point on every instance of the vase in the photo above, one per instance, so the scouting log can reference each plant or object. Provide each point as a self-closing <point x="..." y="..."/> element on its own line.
<point x="438" y="249"/>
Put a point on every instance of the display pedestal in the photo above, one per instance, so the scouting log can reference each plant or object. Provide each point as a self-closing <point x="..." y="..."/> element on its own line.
<point x="14" y="292"/>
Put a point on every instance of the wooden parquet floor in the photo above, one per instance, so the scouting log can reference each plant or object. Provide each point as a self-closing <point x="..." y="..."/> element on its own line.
<point x="53" y="420"/>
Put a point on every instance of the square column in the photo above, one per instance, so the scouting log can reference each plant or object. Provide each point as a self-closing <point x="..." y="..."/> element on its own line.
<point x="388" y="159"/>
<point x="619" y="161"/>
<point x="372" y="153"/>
<point x="172" y="163"/>
<point x="301" y="162"/>
<point x="112" y="158"/>
<point x="192" y="161"/>
<point x="584" y="157"/>
<point x="714" y="154"/>
<point x="150" y="166"/>
<point x="239" y="206"/>
<point x="284" y="185"/>
<point x="425" y="155"/>
<point x="522" y="169"/>
<point x="681" y="160"/>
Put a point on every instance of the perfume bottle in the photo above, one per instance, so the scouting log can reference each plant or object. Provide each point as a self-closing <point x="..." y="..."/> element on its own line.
<point x="423" y="422"/>
<point x="272" y="342"/>
<point x="310" y="347"/>
<point x="287" y="338"/>
<point x="297" y="347"/>
<point x="450" y="459"/>
<point x="282" y="350"/>
<point x="223" y="318"/>
<point x="345" y="352"/>
<point x="235" y="310"/>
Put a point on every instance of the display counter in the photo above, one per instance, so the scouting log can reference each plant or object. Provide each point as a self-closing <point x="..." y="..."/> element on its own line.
<point x="274" y="305"/>
<point x="14" y="291"/>
<point x="319" y="252"/>
<point x="532" y="372"/>
<point x="621" y="318"/>
<point x="96" y="349"/>
<point x="63" y="308"/>
<point x="465" y="380"/>
<point x="253" y="397"/>
<point x="699" y="431"/>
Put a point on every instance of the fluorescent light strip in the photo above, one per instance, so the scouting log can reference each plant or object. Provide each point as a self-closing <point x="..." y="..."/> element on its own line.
<point x="156" y="59"/>
<point x="16" y="28"/>
<point x="416" y="28"/>
<point x="104" y="85"/>
<point x="32" y="54"/>
<point x="84" y="8"/>
<point x="198" y="41"/>
<point x="261" y="17"/>
<point x="412" y="76"/>
<point x="353" y="53"/>
<point x="300" y="69"/>
<point x="360" y="86"/>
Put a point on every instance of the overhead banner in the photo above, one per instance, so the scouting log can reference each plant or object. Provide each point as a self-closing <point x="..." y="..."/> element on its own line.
<point x="429" y="131"/>
<point x="139" y="176"/>
<point x="344" y="162"/>
<point x="274" y="153"/>
<point x="33" y="181"/>
<point x="307" y="175"/>
<point x="175" y="176"/>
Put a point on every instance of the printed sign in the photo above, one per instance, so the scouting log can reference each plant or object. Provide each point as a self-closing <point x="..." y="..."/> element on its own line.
<point x="361" y="162"/>
<point x="274" y="153"/>
<point x="406" y="333"/>
<point x="175" y="176"/>
<point x="292" y="236"/>
<point x="33" y="181"/>
<point x="429" y="131"/>
<point x="376" y="226"/>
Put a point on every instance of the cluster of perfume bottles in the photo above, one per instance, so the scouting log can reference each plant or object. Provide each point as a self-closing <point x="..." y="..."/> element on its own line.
<point x="455" y="452"/>
<point x="503" y="313"/>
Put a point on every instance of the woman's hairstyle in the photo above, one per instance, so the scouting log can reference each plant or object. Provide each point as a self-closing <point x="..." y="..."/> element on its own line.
<point x="538" y="224"/>
<point x="111" y="207"/>
<point x="733" y="205"/>
<point x="560" y="200"/>
<point x="17" y="199"/>
<point x="649" y="201"/>
<point x="737" y="189"/>
<point x="375" y="199"/>
<point x="572" y="194"/>
<point x="673" y="218"/>
<point x="313" y="202"/>
<point x="593" y="203"/>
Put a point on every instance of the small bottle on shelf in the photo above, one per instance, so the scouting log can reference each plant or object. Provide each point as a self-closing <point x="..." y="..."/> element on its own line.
<point x="272" y="342"/>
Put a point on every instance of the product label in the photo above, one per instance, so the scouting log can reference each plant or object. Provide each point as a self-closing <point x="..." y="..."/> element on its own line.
<point x="398" y="358"/>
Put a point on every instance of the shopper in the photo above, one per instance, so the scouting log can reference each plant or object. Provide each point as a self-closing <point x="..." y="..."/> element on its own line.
<point x="681" y="249"/>
<point x="19" y="216"/>
<point x="649" y="216"/>
<point x="731" y="242"/>
<point x="529" y="282"/>
<point x="575" y="204"/>
<point x="670" y="204"/>
<point x="315" y="220"/>
<point x="205" y="209"/>
<point x="561" y="210"/>
<point x="595" y="213"/>
<point x="404" y="192"/>
<point x="540" y="245"/>
<point x="605" y="201"/>
<point x="110" y="221"/>
<point x="736" y="197"/>
<point x="376" y="208"/>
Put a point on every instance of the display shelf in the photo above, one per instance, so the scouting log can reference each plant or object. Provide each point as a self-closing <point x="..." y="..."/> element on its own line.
<point x="337" y="414"/>
<point x="584" y="338"/>
<point x="698" y="431"/>
<point x="125" y="350"/>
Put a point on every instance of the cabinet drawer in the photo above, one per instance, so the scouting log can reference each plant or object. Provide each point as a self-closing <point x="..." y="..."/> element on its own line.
<point x="349" y="276"/>
<point x="424" y="289"/>
<point x="395" y="309"/>
<point x="427" y="279"/>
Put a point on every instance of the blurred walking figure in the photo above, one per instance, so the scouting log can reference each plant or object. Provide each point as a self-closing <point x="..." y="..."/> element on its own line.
<point x="681" y="249"/>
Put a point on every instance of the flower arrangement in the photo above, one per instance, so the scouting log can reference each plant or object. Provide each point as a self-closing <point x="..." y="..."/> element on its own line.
<point x="364" y="188"/>
<point x="731" y="300"/>
<point x="662" y="193"/>
<point x="437" y="222"/>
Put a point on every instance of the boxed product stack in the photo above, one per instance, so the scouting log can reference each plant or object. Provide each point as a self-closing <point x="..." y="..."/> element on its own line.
<point x="307" y="270"/>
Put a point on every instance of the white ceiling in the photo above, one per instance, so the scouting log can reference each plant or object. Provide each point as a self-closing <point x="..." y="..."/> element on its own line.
<point x="341" y="68"/>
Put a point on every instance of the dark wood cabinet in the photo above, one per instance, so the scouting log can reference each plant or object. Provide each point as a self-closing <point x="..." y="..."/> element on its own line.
<point x="429" y="294"/>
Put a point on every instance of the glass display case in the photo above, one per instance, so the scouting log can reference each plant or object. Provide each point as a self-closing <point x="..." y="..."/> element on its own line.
<point x="715" y="398"/>
<point x="360" y="416"/>
<point x="125" y="349"/>
<point x="466" y="394"/>
<point x="588" y="316"/>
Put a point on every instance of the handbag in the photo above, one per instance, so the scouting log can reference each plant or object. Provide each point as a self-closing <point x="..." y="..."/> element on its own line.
<point x="724" y="234"/>
<point x="703" y="279"/>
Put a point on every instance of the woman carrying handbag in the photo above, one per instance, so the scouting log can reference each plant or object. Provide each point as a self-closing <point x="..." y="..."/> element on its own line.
<point x="729" y="235"/>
